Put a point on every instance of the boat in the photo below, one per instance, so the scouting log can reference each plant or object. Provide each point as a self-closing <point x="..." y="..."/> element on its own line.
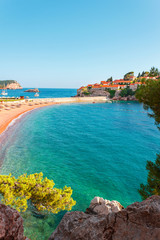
<point x="4" y="93"/>
<point x="36" y="95"/>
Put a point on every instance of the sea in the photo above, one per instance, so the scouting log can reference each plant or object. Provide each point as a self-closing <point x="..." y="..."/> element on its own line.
<point x="97" y="149"/>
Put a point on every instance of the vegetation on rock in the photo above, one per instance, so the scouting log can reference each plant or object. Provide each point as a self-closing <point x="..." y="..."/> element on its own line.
<point x="17" y="192"/>
<point x="111" y="92"/>
<point x="126" y="92"/>
<point x="4" y="83"/>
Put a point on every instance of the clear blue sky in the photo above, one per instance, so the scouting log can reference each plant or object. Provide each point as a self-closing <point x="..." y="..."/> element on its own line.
<point x="69" y="43"/>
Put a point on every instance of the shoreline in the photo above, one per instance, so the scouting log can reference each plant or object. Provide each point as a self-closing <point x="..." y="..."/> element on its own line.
<point x="10" y="111"/>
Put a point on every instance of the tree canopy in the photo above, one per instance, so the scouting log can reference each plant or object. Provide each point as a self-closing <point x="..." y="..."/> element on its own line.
<point x="109" y="79"/>
<point x="153" y="181"/>
<point x="41" y="193"/>
<point x="127" y="75"/>
<point x="149" y="95"/>
<point x="126" y="92"/>
<point x="154" y="72"/>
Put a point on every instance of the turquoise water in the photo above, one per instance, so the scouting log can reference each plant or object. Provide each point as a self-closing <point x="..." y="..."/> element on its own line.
<point x="97" y="149"/>
<point x="43" y="93"/>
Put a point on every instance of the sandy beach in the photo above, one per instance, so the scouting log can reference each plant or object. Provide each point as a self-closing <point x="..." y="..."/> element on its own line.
<point x="12" y="110"/>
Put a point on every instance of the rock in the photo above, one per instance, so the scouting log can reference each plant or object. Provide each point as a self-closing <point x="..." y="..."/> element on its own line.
<point x="101" y="206"/>
<point x="11" y="224"/>
<point x="32" y="90"/>
<point x="139" y="221"/>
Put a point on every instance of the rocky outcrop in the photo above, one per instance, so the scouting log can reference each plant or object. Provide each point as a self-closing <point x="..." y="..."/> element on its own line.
<point x="128" y="98"/>
<point x="32" y="90"/>
<point x="14" y="85"/>
<point x="11" y="224"/>
<point x="103" y="207"/>
<point x="101" y="92"/>
<point x="139" y="221"/>
<point x="92" y="93"/>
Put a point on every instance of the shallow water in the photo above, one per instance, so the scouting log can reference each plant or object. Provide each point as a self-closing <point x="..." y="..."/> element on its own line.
<point x="97" y="149"/>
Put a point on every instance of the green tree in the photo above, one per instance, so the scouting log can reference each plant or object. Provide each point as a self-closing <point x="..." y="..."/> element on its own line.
<point x="149" y="95"/>
<point x="154" y="72"/>
<point x="153" y="180"/>
<point x="126" y="92"/>
<point x="112" y="92"/>
<point x="127" y="75"/>
<point x="41" y="193"/>
<point x="139" y="75"/>
<point x="109" y="79"/>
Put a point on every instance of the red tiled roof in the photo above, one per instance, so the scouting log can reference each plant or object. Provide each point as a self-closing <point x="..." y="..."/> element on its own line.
<point x="95" y="86"/>
<point x="121" y="81"/>
<point x="106" y="85"/>
<point x="103" y="82"/>
<point x="114" y="85"/>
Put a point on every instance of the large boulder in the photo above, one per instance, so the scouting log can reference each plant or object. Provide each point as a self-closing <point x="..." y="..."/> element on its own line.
<point x="139" y="221"/>
<point x="102" y="206"/>
<point x="11" y="224"/>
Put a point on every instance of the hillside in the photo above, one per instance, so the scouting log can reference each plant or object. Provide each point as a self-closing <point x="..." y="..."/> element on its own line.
<point x="9" y="84"/>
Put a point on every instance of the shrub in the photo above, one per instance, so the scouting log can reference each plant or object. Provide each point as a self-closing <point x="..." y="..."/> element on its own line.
<point x="112" y="92"/>
<point x="153" y="181"/>
<point x="126" y="92"/>
<point x="16" y="193"/>
<point x="86" y="93"/>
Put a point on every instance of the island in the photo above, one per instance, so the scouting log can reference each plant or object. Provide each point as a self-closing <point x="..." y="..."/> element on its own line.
<point x="119" y="89"/>
<point x="32" y="90"/>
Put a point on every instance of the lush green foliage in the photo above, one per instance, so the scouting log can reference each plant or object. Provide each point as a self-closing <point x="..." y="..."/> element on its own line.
<point x="112" y="92"/>
<point x="109" y="79"/>
<point x="89" y="87"/>
<point x="86" y="93"/>
<point x="126" y="92"/>
<point x="149" y="95"/>
<point x="153" y="181"/>
<point x="16" y="193"/>
<point x="4" y="83"/>
<point x="127" y="75"/>
<point x="154" y="72"/>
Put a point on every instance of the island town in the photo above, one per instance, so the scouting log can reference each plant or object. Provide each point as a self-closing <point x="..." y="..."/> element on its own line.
<point x="119" y="89"/>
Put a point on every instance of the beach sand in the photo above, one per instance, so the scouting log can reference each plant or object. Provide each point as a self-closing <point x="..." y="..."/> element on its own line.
<point x="12" y="110"/>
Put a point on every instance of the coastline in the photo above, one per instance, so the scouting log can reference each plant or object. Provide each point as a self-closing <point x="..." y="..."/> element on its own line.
<point x="13" y="110"/>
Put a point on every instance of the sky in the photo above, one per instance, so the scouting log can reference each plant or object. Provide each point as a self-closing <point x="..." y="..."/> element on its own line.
<point x="70" y="43"/>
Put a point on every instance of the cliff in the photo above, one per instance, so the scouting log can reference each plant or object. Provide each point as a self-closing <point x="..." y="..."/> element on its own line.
<point x="9" y="84"/>
<point x="11" y="224"/>
<point x="113" y="94"/>
<point x="105" y="220"/>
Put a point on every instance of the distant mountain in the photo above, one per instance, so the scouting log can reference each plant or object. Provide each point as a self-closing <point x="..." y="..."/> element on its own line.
<point x="9" y="84"/>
